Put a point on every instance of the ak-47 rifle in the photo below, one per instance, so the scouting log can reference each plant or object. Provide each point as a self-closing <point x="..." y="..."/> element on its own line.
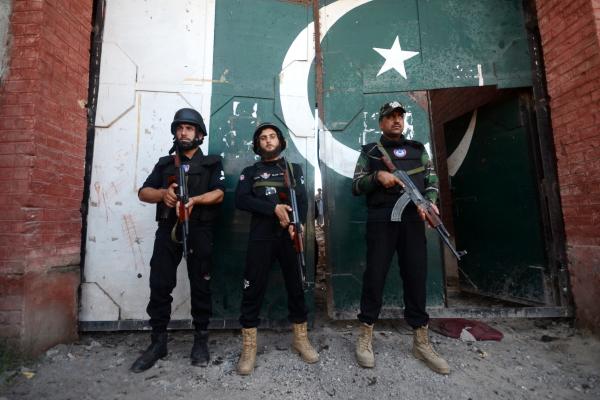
<point x="183" y="198"/>
<point x="296" y="225"/>
<point x="412" y="193"/>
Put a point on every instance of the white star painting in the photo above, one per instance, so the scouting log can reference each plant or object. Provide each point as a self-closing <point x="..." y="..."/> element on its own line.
<point x="394" y="58"/>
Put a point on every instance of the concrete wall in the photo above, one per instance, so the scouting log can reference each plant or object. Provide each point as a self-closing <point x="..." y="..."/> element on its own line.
<point x="42" y="151"/>
<point x="5" y="11"/>
<point x="570" y="33"/>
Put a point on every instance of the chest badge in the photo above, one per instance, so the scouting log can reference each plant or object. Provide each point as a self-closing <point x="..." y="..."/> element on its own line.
<point x="400" y="153"/>
<point x="265" y="175"/>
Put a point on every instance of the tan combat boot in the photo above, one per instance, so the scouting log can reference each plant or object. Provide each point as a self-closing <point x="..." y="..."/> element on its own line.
<point x="423" y="351"/>
<point x="302" y="345"/>
<point x="248" y="357"/>
<point x="364" y="348"/>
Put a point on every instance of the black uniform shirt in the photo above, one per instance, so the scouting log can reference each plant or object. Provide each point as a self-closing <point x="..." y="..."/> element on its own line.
<point x="406" y="155"/>
<point x="165" y="167"/>
<point x="255" y="194"/>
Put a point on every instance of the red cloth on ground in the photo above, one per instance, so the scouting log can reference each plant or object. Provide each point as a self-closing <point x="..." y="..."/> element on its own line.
<point x="452" y="327"/>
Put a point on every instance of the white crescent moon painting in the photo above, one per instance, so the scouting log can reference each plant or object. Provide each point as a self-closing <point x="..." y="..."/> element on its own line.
<point x="293" y="89"/>
<point x="457" y="157"/>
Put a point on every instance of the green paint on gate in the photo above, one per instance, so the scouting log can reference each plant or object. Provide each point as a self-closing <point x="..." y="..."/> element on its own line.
<point x="251" y="39"/>
<point x="347" y="248"/>
<point x="454" y="43"/>
<point x="459" y="43"/>
<point x="496" y="206"/>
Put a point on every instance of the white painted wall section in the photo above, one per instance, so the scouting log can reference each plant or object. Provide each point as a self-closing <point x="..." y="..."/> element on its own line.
<point x="156" y="58"/>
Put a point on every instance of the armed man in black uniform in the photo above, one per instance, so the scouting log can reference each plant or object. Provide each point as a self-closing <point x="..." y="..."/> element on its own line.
<point x="205" y="185"/>
<point x="259" y="191"/>
<point x="405" y="237"/>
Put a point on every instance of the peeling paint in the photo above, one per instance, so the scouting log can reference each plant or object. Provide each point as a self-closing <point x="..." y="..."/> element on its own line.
<point x="409" y="129"/>
<point x="5" y="12"/>
<point x="366" y="130"/>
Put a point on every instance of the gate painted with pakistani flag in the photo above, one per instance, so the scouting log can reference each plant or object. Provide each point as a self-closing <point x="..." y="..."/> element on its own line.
<point x="241" y="63"/>
<point x="378" y="51"/>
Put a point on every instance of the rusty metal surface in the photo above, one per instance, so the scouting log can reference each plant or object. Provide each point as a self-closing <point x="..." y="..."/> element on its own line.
<point x="541" y="131"/>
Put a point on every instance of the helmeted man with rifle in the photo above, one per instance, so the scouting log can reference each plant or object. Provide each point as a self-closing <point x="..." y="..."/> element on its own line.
<point x="273" y="191"/>
<point x="187" y="187"/>
<point x="395" y="214"/>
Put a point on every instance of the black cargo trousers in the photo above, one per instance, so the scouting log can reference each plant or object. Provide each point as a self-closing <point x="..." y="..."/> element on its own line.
<point x="260" y="257"/>
<point x="407" y="239"/>
<point x="166" y="256"/>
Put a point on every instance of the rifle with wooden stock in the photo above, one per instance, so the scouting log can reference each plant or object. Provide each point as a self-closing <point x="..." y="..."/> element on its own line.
<point x="412" y="193"/>
<point x="296" y="224"/>
<point x="182" y="198"/>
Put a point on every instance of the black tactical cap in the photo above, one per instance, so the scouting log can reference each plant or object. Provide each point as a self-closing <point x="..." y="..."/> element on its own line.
<point x="390" y="107"/>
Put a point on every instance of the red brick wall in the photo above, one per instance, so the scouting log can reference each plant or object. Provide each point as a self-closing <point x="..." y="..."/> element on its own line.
<point x="42" y="150"/>
<point x="570" y="33"/>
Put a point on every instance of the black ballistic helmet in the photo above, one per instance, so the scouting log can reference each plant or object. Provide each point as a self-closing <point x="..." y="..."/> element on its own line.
<point x="188" y="116"/>
<point x="261" y="128"/>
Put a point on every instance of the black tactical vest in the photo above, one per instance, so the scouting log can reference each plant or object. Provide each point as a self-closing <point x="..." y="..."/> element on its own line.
<point x="406" y="156"/>
<point x="198" y="179"/>
<point x="268" y="180"/>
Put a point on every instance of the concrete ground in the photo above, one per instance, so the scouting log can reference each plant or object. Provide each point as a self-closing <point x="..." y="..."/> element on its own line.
<point x="537" y="359"/>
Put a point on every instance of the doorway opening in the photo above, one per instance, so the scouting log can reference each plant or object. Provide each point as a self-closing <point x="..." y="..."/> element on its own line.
<point x="492" y="202"/>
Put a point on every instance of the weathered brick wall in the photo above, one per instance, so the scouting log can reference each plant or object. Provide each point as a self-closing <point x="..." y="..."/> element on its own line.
<point x="42" y="150"/>
<point x="570" y="33"/>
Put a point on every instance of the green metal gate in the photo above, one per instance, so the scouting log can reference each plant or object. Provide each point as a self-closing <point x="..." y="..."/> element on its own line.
<point x="372" y="52"/>
<point x="263" y="56"/>
<point x="496" y="206"/>
<point x="377" y="51"/>
<point x="251" y="39"/>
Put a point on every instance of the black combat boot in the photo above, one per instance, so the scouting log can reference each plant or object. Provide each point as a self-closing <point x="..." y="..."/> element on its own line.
<point x="156" y="350"/>
<point x="200" y="356"/>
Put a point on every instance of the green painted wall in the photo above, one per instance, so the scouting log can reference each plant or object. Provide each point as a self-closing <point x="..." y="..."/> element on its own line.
<point x="496" y="206"/>
<point x="457" y="44"/>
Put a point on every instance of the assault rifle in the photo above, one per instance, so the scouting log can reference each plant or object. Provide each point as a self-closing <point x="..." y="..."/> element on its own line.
<point x="412" y="193"/>
<point x="296" y="224"/>
<point x="183" y="198"/>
